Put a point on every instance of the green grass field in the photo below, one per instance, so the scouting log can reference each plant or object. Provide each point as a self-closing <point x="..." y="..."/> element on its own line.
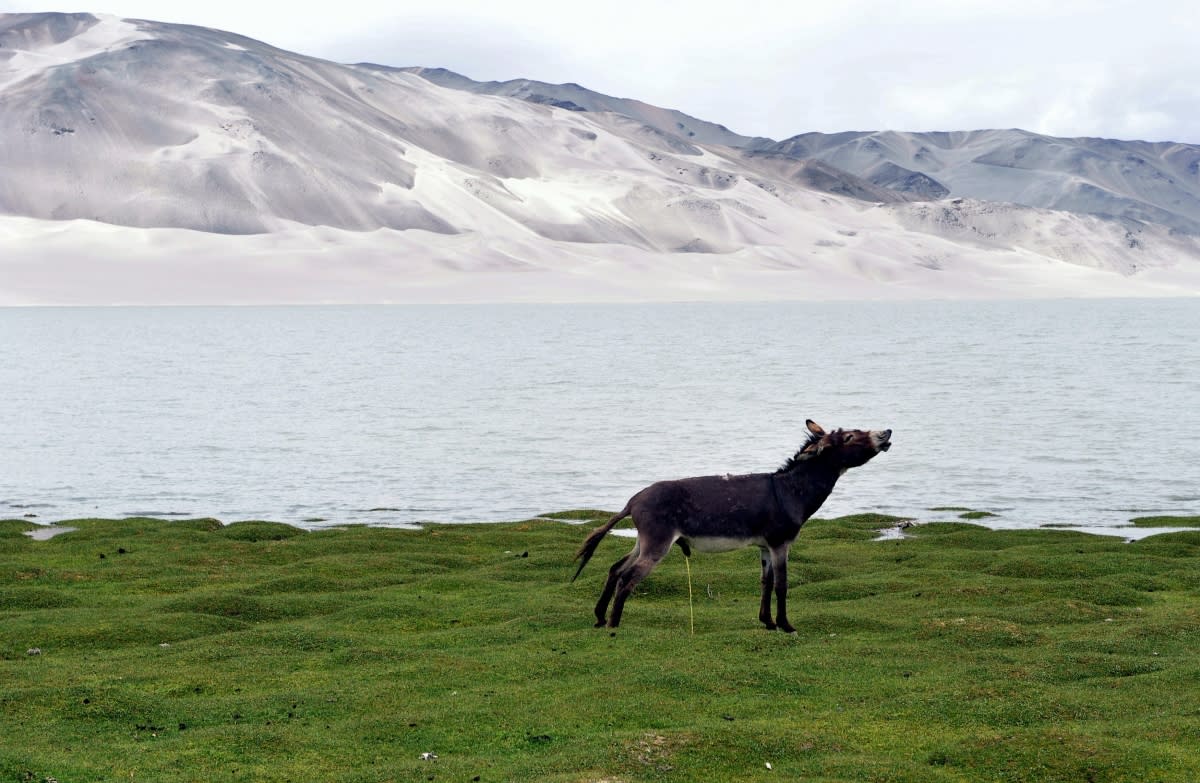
<point x="188" y="651"/>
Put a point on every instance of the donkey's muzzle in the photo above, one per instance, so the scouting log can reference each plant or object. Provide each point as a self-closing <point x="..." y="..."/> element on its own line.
<point x="884" y="440"/>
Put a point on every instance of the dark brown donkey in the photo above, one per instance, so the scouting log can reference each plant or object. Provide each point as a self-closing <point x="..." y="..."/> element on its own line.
<point x="719" y="513"/>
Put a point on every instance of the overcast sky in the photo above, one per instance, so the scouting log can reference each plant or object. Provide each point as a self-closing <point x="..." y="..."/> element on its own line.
<point x="1121" y="68"/>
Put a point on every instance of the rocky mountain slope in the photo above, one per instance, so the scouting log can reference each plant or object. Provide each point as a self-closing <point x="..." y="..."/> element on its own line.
<point x="142" y="161"/>
<point x="1136" y="180"/>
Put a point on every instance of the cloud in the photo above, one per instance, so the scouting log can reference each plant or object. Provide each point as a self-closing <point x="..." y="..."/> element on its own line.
<point x="472" y="47"/>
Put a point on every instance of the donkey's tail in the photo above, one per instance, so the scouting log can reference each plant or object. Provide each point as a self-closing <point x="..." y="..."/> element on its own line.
<point x="593" y="540"/>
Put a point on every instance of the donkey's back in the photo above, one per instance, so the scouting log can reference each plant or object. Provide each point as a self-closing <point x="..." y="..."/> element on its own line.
<point x="726" y="508"/>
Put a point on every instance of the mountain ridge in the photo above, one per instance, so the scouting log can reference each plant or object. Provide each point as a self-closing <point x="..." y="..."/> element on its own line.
<point x="919" y="172"/>
<point x="1146" y="181"/>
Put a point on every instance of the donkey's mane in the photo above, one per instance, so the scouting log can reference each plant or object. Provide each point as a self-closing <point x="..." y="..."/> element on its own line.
<point x="803" y="455"/>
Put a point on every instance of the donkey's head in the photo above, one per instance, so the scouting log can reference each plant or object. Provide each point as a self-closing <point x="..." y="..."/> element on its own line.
<point x="846" y="448"/>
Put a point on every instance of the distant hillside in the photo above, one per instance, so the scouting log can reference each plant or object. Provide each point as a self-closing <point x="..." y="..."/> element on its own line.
<point x="1135" y="180"/>
<point x="1144" y="181"/>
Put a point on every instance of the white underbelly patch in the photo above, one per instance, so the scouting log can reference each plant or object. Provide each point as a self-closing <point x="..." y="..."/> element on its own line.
<point x="720" y="543"/>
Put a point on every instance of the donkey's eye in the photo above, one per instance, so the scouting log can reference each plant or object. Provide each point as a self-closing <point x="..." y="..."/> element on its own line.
<point x="848" y="437"/>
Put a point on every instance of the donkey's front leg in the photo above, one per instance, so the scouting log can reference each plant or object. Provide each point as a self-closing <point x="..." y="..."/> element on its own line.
<point x="768" y="582"/>
<point x="779" y="557"/>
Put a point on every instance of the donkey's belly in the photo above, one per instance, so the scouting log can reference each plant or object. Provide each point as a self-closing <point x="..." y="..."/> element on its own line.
<point x="720" y="543"/>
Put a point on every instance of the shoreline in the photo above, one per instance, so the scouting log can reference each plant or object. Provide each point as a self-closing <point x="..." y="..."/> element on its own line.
<point x="45" y="530"/>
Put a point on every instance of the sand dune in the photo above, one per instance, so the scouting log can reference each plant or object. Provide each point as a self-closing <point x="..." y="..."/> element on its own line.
<point x="142" y="163"/>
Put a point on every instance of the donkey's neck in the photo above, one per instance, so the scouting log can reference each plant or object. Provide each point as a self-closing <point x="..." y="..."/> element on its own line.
<point x="805" y="487"/>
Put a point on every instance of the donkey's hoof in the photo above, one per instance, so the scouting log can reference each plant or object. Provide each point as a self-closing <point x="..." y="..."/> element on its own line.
<point x="600" y="623"/>
<point x="769" y="626"/>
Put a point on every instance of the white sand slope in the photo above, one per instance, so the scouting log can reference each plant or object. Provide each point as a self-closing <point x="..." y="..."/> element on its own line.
<point x="151" y="163"/>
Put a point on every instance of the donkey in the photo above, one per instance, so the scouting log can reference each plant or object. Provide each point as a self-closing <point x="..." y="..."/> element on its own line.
<point x="720" y="513"/>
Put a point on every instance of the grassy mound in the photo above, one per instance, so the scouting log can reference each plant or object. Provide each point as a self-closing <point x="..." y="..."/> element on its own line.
<point x="1166" y="521"/>
<point x="180" y="651"/>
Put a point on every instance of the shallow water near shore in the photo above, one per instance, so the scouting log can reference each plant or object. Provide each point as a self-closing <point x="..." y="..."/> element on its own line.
<point x="1043" y="412"/>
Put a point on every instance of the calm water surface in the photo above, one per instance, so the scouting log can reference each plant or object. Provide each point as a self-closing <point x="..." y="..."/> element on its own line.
<point x="1060" y="412"/>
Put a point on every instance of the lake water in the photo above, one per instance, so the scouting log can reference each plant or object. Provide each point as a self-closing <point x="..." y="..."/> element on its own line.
<point x="1045" y="412"/>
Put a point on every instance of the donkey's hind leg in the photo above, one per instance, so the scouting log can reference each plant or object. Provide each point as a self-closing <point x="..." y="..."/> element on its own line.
<point x="610" y="586"/>
<point x="635" y="572"/>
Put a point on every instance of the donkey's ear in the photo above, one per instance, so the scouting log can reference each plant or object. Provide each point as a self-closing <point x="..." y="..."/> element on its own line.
<point x="814" y="428"/>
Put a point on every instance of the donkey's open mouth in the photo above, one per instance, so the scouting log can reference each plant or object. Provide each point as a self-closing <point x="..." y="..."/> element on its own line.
<point x="883" y="440"/>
